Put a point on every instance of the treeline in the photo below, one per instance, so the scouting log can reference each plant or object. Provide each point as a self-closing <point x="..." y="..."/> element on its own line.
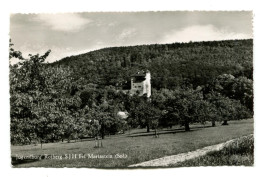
<point x="54" y="102"/>
<point x="172" y="65"/>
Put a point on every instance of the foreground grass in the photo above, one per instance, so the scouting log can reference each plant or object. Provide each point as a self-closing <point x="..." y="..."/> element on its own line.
<point x="132" y="149"/>
<point x="240" y="152"/>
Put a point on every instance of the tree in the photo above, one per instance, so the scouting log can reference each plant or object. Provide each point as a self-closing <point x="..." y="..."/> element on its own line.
<point x="144" y="113"/>
<point x="224" y="106"/>
<point x="223" y="84"/>
<point x="184" y="106"/>
<point x="13" y="53"/>
<point x="26" y="86"/>
<point x="155" y="119"/>
<point x="207" y="112"/>
<point x="45" y="104"/>
<point x="242" y="89"/>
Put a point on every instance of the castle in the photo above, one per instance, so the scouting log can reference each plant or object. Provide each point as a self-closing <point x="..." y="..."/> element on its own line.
<point x="141" y="83"/>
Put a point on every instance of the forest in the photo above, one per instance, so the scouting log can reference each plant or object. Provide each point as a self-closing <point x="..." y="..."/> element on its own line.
<point x="80" y="96"/>
<point x="172" y="65"/>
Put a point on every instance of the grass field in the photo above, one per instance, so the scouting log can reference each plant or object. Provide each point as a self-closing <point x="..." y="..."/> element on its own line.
<point x="133" y="149"/>
<point x="240" y="152"/>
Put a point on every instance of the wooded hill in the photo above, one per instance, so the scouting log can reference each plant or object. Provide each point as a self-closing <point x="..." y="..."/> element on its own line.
<point x="171" y="65"/>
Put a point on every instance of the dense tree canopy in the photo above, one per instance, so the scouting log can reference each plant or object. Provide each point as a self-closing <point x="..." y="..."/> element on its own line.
<point x="171" y="65"/>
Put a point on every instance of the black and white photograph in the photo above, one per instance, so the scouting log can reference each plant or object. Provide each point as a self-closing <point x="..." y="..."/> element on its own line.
<point x="131" y="89"/>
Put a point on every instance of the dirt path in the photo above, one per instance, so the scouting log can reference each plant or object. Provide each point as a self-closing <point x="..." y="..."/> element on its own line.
<point x="173" y="159"/>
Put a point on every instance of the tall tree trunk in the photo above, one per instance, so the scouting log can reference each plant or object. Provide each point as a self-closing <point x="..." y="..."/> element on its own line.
<point x="102" y="131"/>
<point x="213" y="123"/>
<point x="148" y="128"/>
<point x="96" y="142"/>
<point x="187" y="127"/>
<point x="41" y="143"/>
<point x="156" y="133"/>
<point x="225" y="122"/>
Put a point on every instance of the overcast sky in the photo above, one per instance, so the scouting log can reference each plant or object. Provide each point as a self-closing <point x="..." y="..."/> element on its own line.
<point x="74" y="33"/>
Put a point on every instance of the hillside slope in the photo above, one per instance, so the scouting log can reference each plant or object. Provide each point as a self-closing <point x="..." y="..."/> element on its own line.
<point x="171" y="65"/>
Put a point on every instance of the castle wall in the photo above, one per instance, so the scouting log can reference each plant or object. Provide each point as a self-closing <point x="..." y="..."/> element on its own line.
<point x="143" y="87"/>
<point x="147" y="84"/>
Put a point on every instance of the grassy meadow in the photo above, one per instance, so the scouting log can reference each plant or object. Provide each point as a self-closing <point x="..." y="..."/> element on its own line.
<point x="130" y="148"/>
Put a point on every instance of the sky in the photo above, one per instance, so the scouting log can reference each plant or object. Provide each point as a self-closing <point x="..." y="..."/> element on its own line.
<point x="69" y="34"/>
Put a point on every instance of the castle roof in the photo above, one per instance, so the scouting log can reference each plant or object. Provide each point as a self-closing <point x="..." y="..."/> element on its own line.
<point x="140" y="73"/>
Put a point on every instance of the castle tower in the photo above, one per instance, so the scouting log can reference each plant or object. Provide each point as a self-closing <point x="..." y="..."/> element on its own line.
<point x="141" y="83"/>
